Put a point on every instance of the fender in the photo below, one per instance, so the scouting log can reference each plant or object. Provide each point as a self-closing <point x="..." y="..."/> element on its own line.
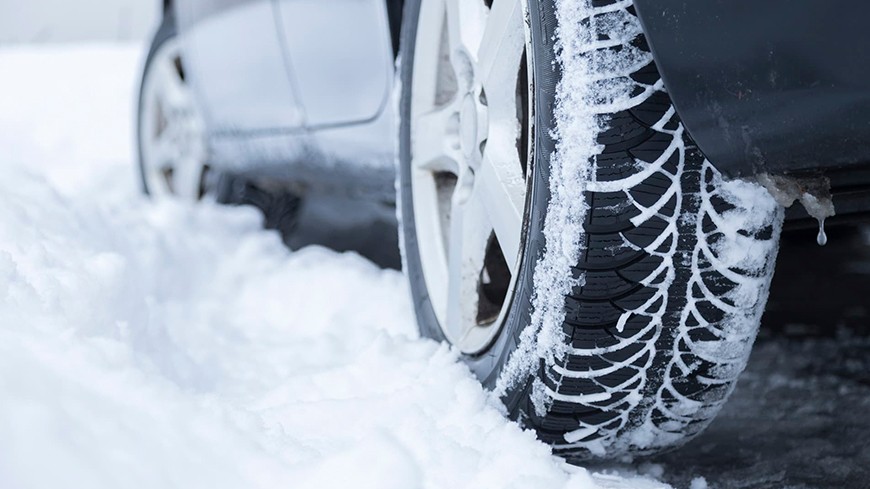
<point x="772" y="86"/>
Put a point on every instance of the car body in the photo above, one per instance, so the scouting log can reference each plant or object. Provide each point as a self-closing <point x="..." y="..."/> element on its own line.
<point x="296" y="90"/>
<point x="779" y="87"/>
<point x="300" y="90"/>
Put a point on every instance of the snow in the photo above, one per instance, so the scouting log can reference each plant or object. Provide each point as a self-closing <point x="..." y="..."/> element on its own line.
<point x="814" y="194"/>
<point x="152" y="345"/>
<point x="698" y="483"/>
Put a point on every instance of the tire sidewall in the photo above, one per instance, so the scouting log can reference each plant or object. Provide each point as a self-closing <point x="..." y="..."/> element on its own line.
<point x="488" y="365"/>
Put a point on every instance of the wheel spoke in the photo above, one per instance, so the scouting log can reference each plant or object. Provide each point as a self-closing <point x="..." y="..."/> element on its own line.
<point x="435" y="140"/>
<point x="501" y="53"/>
<point x="187" y="179"/>
<point x="432" y="66"/>
<point x="500" y="177"/>
<point x="469" y="233"/>
<point x="172" y="88"/>
<point x="465" y="21"/>
<point x="502" y="44"/>
<point x="503" y="194"/>
<point x="163" y="151"/>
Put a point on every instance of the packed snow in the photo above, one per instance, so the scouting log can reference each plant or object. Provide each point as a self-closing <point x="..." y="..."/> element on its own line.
<point x="147" y="345"/>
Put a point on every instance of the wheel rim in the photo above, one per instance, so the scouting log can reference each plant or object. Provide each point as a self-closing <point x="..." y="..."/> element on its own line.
<point x="471" y="102"/>
<point x="171" y="129"/>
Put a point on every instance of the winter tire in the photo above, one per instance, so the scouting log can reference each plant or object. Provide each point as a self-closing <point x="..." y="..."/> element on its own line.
<point x="170" y="130"/>
<point x="562" y="231"/>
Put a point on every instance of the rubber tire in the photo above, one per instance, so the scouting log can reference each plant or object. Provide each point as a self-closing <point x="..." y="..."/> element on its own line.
<point x="617" y="269"/>
<point x="167" y="31"/>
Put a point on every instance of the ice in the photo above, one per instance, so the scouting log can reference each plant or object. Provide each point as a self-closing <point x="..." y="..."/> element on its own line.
<point x="822" y="238"/>
<point x="813" y="193"/>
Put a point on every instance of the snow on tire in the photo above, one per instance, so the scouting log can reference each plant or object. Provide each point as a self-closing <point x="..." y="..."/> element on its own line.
<point x="644" y="273"/>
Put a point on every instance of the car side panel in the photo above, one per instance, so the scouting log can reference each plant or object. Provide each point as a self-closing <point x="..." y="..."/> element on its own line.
<point x="234" y="57"/>
<point x="258" y="126"/>
<point x="341" y="54"/>
<point x="779" y="86"/>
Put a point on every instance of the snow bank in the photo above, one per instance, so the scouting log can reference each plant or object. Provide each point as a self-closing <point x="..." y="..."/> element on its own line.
<point x="146" y="345"/>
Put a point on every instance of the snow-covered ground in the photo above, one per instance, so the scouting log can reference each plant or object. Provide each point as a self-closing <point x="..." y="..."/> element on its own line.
<point x="152" y="345"/>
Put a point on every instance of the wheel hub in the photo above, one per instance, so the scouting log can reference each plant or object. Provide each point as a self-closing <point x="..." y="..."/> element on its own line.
<point x="468" y="123"/>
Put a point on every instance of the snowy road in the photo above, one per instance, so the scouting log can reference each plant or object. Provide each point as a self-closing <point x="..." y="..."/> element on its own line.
<point x="146" y="346"/>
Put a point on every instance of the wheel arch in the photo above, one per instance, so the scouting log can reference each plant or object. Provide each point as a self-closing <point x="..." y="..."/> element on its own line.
<point x="757" y="95"/>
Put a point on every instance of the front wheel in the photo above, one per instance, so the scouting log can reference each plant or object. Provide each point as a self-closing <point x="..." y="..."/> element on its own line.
<point x="562" y="231"/>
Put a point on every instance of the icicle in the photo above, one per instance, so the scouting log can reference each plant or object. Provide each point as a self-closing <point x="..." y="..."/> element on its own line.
<point x="814" y="194"/>
<point x="822" y="239"/>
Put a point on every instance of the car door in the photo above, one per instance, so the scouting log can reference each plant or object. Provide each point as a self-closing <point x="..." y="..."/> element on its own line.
<point x="234" y="55"/>
<point x="341" y="56"/>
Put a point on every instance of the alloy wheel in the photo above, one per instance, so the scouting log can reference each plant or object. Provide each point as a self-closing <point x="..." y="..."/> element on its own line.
<point x="471" y="109"/>
<point x="171" y="129"/>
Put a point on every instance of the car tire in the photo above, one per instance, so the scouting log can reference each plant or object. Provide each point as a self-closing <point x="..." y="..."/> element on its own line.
<point x="642" y="273"/>
<point x="170" y="131"/>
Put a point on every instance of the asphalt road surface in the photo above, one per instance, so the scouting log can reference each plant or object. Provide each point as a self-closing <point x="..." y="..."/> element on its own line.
<point x="800" y="417"/>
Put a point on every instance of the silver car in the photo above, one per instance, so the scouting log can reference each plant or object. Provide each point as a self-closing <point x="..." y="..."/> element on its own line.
<point x="560" y="228"/>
